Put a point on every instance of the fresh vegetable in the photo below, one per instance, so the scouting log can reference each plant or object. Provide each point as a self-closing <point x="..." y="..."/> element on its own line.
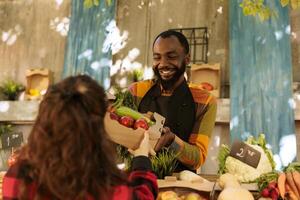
<point x="290" y="193"/>
<point x="222" y="155"/>
<point x="242" y="171"/>
<point x="281" y="184"/>
<point x="274" y="194"/>
<point x="127" y="121"/>
<point x="293" y="169"/>
<point x="267" y="180"/>
<point x="193" y="196"/>
<point x="291" y="182"/>
<point x="232" y="189"/>
<point x="114" y="116"/>
<point x="141" y="123"/>
<point x="187" y="175"/>
<point x="168" y="195"/>
<point x="296" y="177"/>
<point x="265" y="192"/>
<point x="126" y="111"/>
<point x="124" y="99"/>
<point x="164" y="163"/>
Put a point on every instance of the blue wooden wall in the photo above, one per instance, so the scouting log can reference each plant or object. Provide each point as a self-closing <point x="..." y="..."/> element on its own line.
<point x="261" y="79"/>
<point x="85" y="52"/>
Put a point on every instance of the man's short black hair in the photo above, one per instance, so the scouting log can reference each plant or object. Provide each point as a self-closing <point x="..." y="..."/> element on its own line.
<point x="182" y="39"/>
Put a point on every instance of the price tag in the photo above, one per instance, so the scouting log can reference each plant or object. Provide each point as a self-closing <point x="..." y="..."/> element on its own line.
<point x="245" y="153"/>
<point x="9" y="140"/>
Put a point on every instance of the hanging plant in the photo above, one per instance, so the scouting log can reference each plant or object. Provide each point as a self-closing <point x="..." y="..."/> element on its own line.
<point x="258" y="8"/>
<point x="91" y="3"/>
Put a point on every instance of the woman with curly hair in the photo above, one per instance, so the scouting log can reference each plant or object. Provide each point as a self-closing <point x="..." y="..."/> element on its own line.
<point x="68" y="154"/>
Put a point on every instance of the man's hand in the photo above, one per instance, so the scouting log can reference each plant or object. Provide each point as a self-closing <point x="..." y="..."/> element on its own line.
<point x="165" y="139"/>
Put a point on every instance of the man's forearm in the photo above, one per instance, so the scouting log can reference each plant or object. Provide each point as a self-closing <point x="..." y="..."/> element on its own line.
<point x="188" y="154"/>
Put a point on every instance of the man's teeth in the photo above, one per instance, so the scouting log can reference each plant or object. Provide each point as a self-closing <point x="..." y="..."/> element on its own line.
<point x="166" y="71"/>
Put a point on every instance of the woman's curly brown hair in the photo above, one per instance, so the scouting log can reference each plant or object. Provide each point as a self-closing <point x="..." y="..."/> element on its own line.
<point x="68" y="154"/>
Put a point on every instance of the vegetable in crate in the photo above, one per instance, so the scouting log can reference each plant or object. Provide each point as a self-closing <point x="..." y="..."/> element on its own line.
<point x="242" y="171"/>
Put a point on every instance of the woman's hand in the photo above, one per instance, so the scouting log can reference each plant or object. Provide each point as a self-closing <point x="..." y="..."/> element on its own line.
<point x="145" y="148"/>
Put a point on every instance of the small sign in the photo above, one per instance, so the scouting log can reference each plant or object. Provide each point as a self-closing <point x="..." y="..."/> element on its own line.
<point x="245" y="153"/>
<point x="9" y="140"/>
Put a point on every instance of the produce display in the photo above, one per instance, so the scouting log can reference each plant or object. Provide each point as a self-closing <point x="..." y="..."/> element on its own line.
<point x="242" y="171"/>
<point x="171" y="195"/>
<point x="271" y="184"/>
<point x="284" y="184"/>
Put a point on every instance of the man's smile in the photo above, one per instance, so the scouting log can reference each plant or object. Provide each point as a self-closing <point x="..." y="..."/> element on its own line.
<point x="167" y="72"/>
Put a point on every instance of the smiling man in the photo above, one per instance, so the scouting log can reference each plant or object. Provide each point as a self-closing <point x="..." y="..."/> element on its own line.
<point x="190" y="112"/>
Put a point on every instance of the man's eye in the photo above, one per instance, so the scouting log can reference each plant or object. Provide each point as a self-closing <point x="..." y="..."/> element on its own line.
<point x="172" y="57"/>
<point x="156" y="58"/>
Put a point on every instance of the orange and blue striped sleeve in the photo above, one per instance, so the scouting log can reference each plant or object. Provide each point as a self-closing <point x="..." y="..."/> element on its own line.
<point x="194" y="152"/>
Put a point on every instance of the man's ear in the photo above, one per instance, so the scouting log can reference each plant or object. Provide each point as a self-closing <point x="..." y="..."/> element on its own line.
<point x="187" y="59"/>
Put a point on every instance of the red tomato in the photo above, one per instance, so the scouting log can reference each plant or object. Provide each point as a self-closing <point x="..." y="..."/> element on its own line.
<point x="141" y="123"/>
<point x="126" y="121"/>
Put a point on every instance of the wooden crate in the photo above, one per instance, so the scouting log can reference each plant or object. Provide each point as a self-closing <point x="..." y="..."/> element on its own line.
<point x="207" y="73"/>
<point x="37" y="80"/>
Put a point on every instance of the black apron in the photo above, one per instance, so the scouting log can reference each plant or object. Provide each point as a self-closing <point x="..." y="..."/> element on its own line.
<point x="180" y="116"/>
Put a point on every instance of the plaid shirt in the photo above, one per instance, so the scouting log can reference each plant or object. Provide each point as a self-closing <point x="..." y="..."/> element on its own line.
<point x="142" y="183"/>
<point x="192" y="153"/>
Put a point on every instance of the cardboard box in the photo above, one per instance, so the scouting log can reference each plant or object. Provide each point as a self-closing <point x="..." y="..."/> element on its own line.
<point x="183" y="188"/>
<point x="131" y="138"/>
<point x="38" y="80"/>
<point x="207" y="73"/>
<point x="207" y="189"/>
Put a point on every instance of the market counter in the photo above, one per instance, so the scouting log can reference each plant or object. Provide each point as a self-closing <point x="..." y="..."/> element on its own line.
<point x="23" y="113"/>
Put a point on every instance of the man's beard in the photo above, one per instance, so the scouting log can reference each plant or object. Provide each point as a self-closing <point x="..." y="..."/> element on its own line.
<point x="168" y="84"/>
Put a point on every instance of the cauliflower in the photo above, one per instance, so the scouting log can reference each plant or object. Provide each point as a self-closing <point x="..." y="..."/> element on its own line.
<point x="246" y="173"/>
<point x="242" y="171"/>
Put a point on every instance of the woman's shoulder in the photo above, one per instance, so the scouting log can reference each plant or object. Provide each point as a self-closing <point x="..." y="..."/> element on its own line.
<point x="11" y="181"/>
<point x="122" y="192"/>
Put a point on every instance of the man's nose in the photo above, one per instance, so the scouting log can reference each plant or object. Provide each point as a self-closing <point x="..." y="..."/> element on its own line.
<point x="163" y="61"/>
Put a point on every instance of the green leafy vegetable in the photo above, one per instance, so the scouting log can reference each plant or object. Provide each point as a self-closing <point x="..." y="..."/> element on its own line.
<point x="264" y="179"/>
<point x="124" y="99"/>
<point x="293" y="166"/>
<point x="164" y="163"/>
<point x="222" y="155"/>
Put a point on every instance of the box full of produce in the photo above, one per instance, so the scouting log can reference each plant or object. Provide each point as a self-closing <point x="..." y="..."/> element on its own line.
<point x="126" y="127"/>
<point x="206" y="76"/>
<point x="38" y="81"/>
